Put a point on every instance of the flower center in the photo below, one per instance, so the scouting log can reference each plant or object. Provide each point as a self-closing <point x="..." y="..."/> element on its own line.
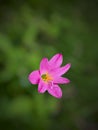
<point x="46" y="77"/>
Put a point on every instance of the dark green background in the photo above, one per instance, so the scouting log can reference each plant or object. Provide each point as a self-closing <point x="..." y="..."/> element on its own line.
<point x="31" y="30"/>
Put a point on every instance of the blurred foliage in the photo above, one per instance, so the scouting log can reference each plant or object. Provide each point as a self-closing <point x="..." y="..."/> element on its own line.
<point x="31" y="30"/>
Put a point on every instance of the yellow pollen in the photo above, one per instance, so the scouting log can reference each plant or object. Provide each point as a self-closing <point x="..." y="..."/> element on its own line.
<point x="46" y="77"/>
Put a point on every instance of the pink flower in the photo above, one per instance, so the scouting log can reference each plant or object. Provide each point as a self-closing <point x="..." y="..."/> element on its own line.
<point x="49" y="75"/>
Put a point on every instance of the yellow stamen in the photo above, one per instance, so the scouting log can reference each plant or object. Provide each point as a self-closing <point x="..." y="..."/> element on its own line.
<point x="46" y="77"/>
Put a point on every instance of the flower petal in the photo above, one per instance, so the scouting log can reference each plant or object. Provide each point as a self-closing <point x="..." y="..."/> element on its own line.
<point x="56" y="60"/>
<point x="55" y="91"/>
<point x="44" y="66"/>
<point x="60" y="71"/>
<point x="42" y="87"/>
<point x="61" y="80"/>
<point x="34" y="77"/>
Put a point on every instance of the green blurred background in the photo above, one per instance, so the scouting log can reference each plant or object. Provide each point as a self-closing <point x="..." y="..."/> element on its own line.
<point x="31" y="30"/>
